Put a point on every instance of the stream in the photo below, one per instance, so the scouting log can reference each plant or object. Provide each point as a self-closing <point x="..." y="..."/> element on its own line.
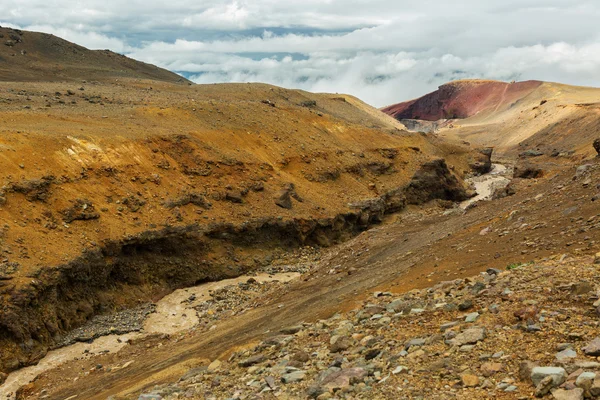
<point x="174" y="313"/>
<point x="485" y="185"/>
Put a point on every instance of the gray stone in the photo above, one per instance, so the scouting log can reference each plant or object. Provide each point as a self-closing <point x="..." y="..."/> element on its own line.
<point x="558" y="374"/>
<point x="469" y="336"/>
<point x="585" y="380"/>
<point x="150" y="397"/>
<point x="295" y="376"/>
<point x="448" y="325"/>
<point x="343" y="378"/>
<point x="248" y="362"/>
<point x="472" y="317"/>
<point x="465" y="305"/>
<point x="399" y="369"/>
<point x="566" y="355"/>
<point x="396" y="306"/>
<point x="415" y="342"/>
<point x="339" y="343"/>
<point x="544" y="386"/>
<point x="283" y="199"/>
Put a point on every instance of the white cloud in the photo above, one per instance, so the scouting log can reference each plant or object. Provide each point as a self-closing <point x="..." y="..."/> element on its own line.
<point x="381" y="51"/>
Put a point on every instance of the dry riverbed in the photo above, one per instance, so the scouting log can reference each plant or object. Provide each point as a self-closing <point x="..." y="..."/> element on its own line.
<point x="195" y="307"/>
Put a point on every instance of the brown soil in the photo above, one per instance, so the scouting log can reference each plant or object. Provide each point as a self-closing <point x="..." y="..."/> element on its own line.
<point x="34" y="56"/>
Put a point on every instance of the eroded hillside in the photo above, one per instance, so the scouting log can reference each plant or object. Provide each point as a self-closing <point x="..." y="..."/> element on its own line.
<point x="117" y="192"/>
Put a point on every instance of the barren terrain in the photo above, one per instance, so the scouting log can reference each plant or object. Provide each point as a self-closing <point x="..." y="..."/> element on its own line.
<point x="530" y="118"/>
<point x="128" y="197"/>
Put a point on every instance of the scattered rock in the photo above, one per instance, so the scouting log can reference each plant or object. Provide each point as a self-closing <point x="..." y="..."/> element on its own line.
<point x="234" y="196"/>
<point x="527" y="171"/>
<point x="295" y="376"/>
<point x="581" y="288"/>
<point x="248" y="362"/>
<point x="469" y="380"/>
<point x="488" y="369"/>
<point x="585" y="380"/>
<point x="593" y="348"/>
<point x="469" y="336"/>
<point x="214" y="366"/>
<point x="544" y="386"/>
<point x="343" y="378"/>
<point x="562" y="394"/>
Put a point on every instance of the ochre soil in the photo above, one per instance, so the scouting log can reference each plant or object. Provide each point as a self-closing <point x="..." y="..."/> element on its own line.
<point x="114" y="193"/>
<point x="551" y="216"/>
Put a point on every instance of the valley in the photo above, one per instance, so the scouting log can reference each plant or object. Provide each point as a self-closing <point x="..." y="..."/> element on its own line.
<point x="166" y="240"/>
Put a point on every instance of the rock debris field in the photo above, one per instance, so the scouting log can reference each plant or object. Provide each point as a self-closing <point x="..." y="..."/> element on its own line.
<point x="529" y="331"/>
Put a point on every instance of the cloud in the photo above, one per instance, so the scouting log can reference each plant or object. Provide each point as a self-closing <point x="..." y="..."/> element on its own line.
<point x="380" y="51"/>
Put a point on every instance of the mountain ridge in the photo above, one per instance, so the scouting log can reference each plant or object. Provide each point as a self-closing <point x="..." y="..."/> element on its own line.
<point x="34" y="56"/>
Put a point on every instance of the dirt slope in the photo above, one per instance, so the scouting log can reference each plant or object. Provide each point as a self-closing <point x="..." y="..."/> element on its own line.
<point x="34" y="56"/>
<point x="422" y="247"/>
<point x="549" y="118"/>
<point x="117" y="192"/>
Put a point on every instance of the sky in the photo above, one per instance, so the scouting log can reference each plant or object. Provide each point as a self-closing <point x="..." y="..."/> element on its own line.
<point x="383" y="52"/>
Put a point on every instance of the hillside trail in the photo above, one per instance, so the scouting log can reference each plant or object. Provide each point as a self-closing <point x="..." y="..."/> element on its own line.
<point x="501" y="101"/>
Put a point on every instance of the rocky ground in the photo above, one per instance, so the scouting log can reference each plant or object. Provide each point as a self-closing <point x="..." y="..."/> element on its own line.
<point x="223" y="302"/>
<point x="530" y="330"/>
<point x="542" y="237"/>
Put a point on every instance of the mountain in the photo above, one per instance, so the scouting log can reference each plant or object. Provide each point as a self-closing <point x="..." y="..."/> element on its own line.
<point x="34" y="56"/>
<point x="534" y="116"/>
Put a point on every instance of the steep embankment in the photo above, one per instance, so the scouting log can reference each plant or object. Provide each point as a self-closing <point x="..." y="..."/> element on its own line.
<point x="34" y="56"/>
<point x="546" y="118"/>
<point x="115" y="193"/>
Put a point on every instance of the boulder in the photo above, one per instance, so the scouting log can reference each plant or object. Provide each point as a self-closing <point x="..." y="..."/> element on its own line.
<point x="596" y="145"/>
<point x="482" y="164"/>
<point x="469" y="380"/>
<point x="527" y="171"/>
<point x="234" y="196"/>
<point x="343" y="378"/>
<point x="562" y="394"/>
<point x="248" y="362"/>
<point x="295" y="376"/>
<point x="558" y="374"/>
<point x="593" y="348"/>
<point x="469" y="336"/>
<point x="283" y="199"/>
<point x="488" y="369"/>
<point x="585" y="380"/>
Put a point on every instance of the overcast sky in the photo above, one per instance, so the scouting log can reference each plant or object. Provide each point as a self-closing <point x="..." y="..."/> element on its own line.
<point x="381" y="51"/>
